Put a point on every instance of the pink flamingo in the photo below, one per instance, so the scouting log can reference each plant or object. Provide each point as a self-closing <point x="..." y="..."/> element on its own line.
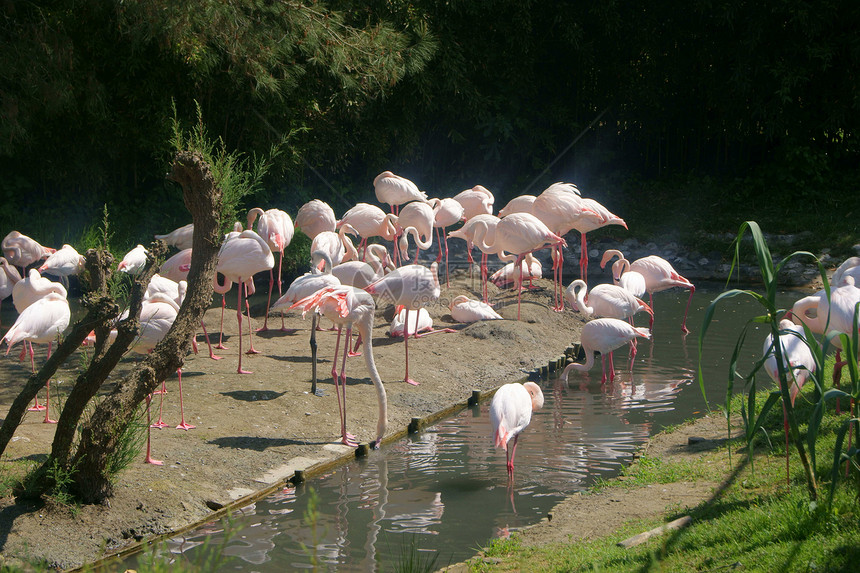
<point x="594" y="216"/>
<point x="468" y="310"/>
<point x="520" y="204"/>
<point x="366" y="221"/>
<point x="797" y="360"/>
<point x="41" y="322"/>
<point x="314" y="217"/>
<point x="659" y="276"/>
<point x="133" y="261"/>
<point x="416" y="219"/>
<point x="350" y="307"/>
<point x="559" y="207"/>
<point x="239" y="260"/>
<point x="509" y="274"/>
<point x="396" y="190"/>
<point x="485" y="225"/>
<point x="63" y="263"/>
<point x="520" y="233"/>
<point x="631" y="281"/>
<point x="27" y="291"/>
<point x="337" y="246"/>
<point x="176" y="267"/>
<point x="360" y="274"/>
<point x="604" y="335"/>
<point x="475" y="201"/>
<point x="510" y="414"/>
<point x="606" y="301"/>
<point x="22" y="251"/>
<point x="9" y="277"/>
<point x="181" y="238"/>
<point x="303" y="287"/>
<point x="276" y="228"/>
<point x="446" y="212"/>
<point x="849" y="267"/>
<point x="410" y="286"/>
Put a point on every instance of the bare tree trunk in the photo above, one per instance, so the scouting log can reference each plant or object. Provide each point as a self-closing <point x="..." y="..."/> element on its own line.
<point x="100" y="435"/>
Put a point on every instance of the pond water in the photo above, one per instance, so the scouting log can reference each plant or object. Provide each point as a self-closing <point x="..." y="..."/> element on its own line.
<point x="445" y="491"/>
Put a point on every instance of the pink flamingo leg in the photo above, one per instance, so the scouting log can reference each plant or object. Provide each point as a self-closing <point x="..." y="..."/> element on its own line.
<point x="406" y="378"/>
<point x="160" y="423"/>
<point x="684" y="328"/>
<point x="346" y="439"/>
<point x="182" y="425"/>
<point x="439" y="242"/>
<point x="36" y="407"/>
<point x="583" y="259"/>
<point x="280" y="293"/>
<point x="513" y="453"/>
<point x="149" y="459"/>
<point x="251" y="350"/>
<point x="239" y="318"/>
<point x="209" y="344"/>
<point x="48" y="419"/>
<point x="519" y="264"/>
<point x="220" y="345"/>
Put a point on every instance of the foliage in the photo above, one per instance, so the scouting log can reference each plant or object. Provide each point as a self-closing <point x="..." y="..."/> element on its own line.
<point x="752" y="413"/>
<point x="130" y="444"/>
<point x="412" y="560"/>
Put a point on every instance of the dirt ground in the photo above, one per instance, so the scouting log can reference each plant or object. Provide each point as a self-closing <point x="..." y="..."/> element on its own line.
<point x="254" y="431"/>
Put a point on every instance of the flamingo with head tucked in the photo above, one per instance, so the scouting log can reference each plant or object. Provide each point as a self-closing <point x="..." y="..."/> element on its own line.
<point x="22" y="251"/>
<point x="239" y="260"/>
<point x="276" y="228"/>
<point x="314" y="217"/>
<point x="9" y="277"/>
<point x="181" y="238"/>
<point x="396" y="190"/>
<point x="41" y="322"/>
<point x="63" y="263"/>
<point x="476" y="201"/>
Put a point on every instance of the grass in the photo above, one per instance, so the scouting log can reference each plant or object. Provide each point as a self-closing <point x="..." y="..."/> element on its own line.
<point x="756" y="523"/>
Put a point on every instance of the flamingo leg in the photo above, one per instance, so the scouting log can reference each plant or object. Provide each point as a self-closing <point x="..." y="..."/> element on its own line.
<point x="212" y="355"/>
<point x="149" y="459"/>
<point x="583" y="259"/>
<point x="651" y="321"/>
<point x="684" y="328"/>
<point x="447" y="272"/>
<point x="251" y="350"/>
<point x="513" y="453"/>
<point x="220" y="345"/>
<point x="484" y="280"/>
<point x="182" y="425"/>
<point x="439" y="242"/>
<point x="519" y="264"/>
<point x="406" y="377"/>
<point x="48" y="419"/>
<point x="36" y="407"/>
<point x="239" y="319"/>
<point x="314" y="390"/>
<point x="346" y="438"/>
<point x="160" y="423"/>
<point x="280" y="293"/>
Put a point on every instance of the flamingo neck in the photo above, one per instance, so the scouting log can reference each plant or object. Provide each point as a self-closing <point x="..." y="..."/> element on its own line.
<point x="584" y="367"/>
<point x="365" y="328"/>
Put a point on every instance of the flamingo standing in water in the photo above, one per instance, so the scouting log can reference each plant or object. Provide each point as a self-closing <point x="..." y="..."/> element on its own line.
<point x="409" y="286"/>
<point x="446" y="212"/>
<point x="303" y="287"/>
<point x="797" y="361"/>
<point x="276" y="228"/>
<point x="9" y="277"/>
<point x="350" y="307"/>
<point x="181" y="238"/>
<point x="41" y="322"/>
<point x="604" y="335"/>
<point x="314" y="217"/>
<point x="631" y="281"/>
<point x="396" y="190"/>
<point x="22" y="251"/>
<point x="659" y="276"/>
<point x="239" y="260"/>
<point x="510" y="414"/>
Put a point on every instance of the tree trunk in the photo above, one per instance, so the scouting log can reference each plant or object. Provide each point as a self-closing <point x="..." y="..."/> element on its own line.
<point x="100" y="435"/>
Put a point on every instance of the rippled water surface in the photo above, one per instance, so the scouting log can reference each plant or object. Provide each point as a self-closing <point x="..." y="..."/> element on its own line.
<point x="446" y="491"/>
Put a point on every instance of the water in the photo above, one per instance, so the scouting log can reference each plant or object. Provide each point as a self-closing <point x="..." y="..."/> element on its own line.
<point x="446" y="490"/>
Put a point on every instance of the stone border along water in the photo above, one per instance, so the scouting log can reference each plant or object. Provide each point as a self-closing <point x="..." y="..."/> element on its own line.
<point x="318" y="468"/>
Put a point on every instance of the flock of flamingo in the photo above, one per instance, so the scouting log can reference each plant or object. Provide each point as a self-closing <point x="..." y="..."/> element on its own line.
<point x="348" y="281"/>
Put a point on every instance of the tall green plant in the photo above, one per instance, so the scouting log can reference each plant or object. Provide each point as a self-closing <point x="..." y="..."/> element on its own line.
<point x="771" y="317"/>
